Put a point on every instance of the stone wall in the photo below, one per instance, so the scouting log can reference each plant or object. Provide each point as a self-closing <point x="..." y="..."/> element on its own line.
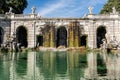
<point x="85" y="26"/>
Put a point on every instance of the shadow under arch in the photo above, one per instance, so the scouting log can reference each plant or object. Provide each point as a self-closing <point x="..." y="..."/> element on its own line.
<point x="101" y="31"/>
<point x="61" y="37"/>
<point x="1" y="35"/>
<point x="21" y="36"/>
<point x="83" y="39"/>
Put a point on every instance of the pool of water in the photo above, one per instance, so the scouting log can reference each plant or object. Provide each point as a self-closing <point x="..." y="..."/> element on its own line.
<point x="59" y="66"/>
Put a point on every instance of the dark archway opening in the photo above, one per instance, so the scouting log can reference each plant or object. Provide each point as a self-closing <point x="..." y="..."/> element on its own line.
<point x="39" y="40"/>
<point x="61" y="37"/>
<point x="21" y="36"/>
<point x="1" y="36"/>
<point x="101" y="31"/>
<point x="83" y="40"/>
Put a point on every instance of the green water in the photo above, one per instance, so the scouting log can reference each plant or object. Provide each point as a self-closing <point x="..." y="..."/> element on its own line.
<point x="59" y="66"/>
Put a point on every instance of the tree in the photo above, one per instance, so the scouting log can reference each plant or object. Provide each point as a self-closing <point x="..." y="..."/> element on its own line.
<point x="107" y="8"/>
<point x="17" y="5"/>
<point x="2" y="3"/>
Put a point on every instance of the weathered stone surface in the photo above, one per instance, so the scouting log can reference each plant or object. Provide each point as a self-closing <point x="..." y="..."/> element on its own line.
<point x="32" y="22"/>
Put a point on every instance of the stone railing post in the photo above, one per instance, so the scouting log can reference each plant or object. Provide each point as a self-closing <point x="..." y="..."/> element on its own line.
<point x="12" y="15"/>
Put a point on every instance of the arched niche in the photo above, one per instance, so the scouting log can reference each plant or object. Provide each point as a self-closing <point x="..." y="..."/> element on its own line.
<point x="21" y="36"/>
<point x="61" y="37"/>
<point x="39" y="40"/>
<point x="101" y="31"/>
<point x="1" y="35"/>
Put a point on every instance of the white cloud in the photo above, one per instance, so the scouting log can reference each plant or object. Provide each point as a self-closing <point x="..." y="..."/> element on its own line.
<point x="69" y="8"/>
<point x="52" y="7"/>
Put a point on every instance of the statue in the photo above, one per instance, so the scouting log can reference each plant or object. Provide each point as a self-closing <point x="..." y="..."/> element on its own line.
<point x="90" y="8"/>
<point x="104" y="43"/>
<point x="113" y="10"/>
<point x="10" y="9"/>
<point x="40" y="30"/>
<point x="114" y="43"/>
<point x="33" y="10"/>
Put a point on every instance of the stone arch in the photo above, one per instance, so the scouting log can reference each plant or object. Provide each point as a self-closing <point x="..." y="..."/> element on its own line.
<point x="100" y="35"/>
<point x="83" y="36"/>
<point x="65" y="26"/>
<point x="39" y="40"/>
<point x="61" y="37"/>
<point x="21" y="36"/>
<point x="83" y="40"/>
<point x="82" y="30"/>
<point x="1" y="35"/>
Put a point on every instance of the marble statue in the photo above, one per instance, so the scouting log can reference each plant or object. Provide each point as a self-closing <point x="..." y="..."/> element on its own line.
<point x="113" y="10"/>
<point x="90" y="8"/>
<point x="10" y="9"/>
<point x="33" y="10"/>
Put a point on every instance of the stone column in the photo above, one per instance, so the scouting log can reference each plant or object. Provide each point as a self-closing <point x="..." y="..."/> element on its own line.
<point x="76" y="34"/>
<point x="46" y="40"/>
<point x="94" y="34"/>
<point x="52" y="36"/>
<point x="49" y="35"/>
<point x="46" y="36"/>
<point x="71" y="35"/>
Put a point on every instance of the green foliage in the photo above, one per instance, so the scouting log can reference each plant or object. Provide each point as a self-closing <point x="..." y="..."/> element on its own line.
<point x="108" y="6"/>
<point x="2" y="4"/>
<point x="17" y="5"/>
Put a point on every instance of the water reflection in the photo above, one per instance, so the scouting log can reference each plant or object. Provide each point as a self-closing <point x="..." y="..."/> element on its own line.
<point x="76" y="65"/>
<point x="59" y="66"/>
<point x="91" y="70"/>
<point x="48" y="68"/>
<point x="4" y="66"/>
<point x="113" y="63"/>
<point x="101" y="66"/>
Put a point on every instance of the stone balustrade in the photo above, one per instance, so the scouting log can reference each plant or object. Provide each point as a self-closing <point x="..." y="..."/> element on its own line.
<point x="32" y="16"/>
<point x="101" y="16"/>
<point x="2" y="16"/>
<point x="18" y="16"/>
<point x="108" y="16"/>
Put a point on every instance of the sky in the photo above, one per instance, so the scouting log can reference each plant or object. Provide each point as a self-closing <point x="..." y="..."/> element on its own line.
<point x="64" y="8"/>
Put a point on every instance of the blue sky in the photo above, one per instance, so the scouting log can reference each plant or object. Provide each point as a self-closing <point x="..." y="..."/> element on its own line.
<point x="64" y="8"/>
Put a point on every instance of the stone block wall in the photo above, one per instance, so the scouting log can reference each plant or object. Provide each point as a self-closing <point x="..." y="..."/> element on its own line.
<point x="89" y="25"/>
